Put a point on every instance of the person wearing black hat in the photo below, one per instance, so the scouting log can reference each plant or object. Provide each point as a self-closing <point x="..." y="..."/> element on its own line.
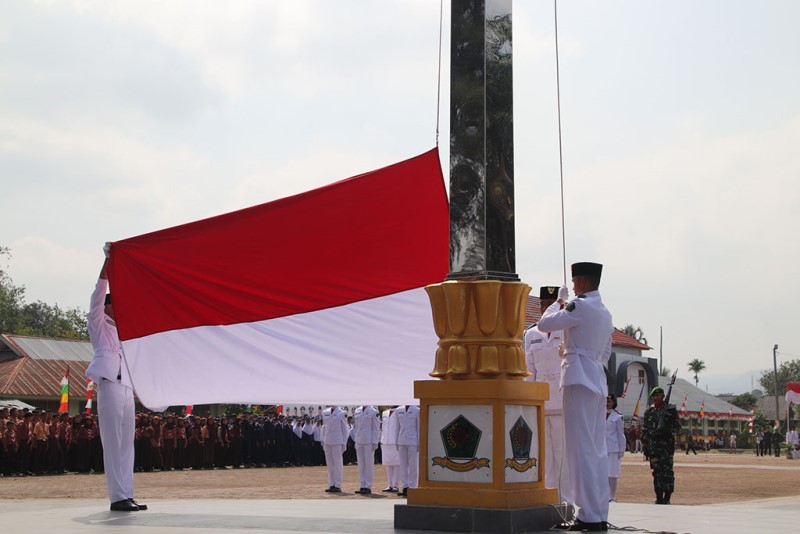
<point x="615" y="443"/>
<point x="544" y="364"/>
<point x="587" y="328"/>
<point x="115" y="407"/>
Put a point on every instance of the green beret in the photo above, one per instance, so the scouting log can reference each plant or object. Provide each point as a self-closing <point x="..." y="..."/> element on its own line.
<point x="656" y="390"/>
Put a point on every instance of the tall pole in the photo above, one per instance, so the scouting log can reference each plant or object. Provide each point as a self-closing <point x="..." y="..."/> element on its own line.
<point x="482" y="450"/>
<point x="660" y="349"/>
<point x="775" y="365"/>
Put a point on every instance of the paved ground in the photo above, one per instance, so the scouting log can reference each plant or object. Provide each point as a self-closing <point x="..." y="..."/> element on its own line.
<point x="366" y="516"/>
<point x="716" y="493"/>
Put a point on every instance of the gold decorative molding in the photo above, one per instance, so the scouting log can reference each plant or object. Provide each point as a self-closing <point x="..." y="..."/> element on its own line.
<point x="479" y="324"/>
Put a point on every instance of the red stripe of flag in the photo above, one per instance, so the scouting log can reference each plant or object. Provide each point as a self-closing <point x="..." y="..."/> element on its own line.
<point x="372" y="235"/>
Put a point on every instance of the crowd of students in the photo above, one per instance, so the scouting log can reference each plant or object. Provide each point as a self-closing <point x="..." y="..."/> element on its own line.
<point x="38" y="443"/>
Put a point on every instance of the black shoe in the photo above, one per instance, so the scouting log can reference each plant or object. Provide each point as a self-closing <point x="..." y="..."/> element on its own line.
<point x="365" y="491"/>
<point x="330" y="489"/>
<point x="334" y="489"/>
<point x="403" y="493"/>
<point x="583" y="526"/>
<point x="124" y="506"/>
<point x="140" y="505"/>
<point x="389" y="489"/>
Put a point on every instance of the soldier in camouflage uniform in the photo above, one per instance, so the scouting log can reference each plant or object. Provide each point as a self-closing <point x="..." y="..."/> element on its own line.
<point x="659" y="445"/>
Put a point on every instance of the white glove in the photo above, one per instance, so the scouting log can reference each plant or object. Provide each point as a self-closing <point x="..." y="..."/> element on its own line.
<point x="563" y="293"/>
<point x="107" y="249"/>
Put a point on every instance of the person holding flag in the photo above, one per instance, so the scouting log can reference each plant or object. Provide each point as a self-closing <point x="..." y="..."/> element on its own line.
<point x="544" y="363"/>
<point x="660" y="425"/>
<point x="116" y="411"/>
<point x="587" y="327"/>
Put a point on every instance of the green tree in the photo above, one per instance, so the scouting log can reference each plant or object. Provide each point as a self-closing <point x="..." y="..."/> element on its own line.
<point x="696" y="366"/>
<point x="787" y="372"/>
<point x="36" y="318"/>
<point x="636" y="333"/>
<point x="745" y="401"/>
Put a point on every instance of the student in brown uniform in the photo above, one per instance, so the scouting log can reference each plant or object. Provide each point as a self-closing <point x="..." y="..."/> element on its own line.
<point x="39" y="443"/>
<point x="24" y="431"/>
<point x="168" y="443"/>
<point x="10" y="448"/>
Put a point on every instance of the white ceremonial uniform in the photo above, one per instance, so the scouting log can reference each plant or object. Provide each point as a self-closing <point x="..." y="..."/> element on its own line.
<point x="116" y="411"/>
<point x="544" y="363"/>
<point x="389" y="455"/>
<point x="615" y="444"/>
<point x="408" y="444"/>
<point x="366" y="435"/>
<point x="334" y="440"/>
<point x="587" y="328"/>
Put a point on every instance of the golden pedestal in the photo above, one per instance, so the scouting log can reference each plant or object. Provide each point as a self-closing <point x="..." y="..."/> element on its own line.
<point x="481" y="426"/>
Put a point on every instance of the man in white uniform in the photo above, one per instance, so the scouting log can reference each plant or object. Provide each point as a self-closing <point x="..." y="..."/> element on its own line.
<point x="334" y="438"/>
<point x="115" y="407"/>
<point x="389" y="455"/>
<point x="408" y="446"/>
<point x="587" y="328"/>
<point x="544" y="364"/>
<point x="366" y="435"/>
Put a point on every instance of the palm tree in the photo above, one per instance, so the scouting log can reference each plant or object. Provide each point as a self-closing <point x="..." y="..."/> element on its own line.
<point x="695" y="366"/>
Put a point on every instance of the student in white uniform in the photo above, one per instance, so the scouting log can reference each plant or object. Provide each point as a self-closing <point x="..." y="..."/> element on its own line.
<point x="408" y="446"/>
<point x="389" y="455"/>
<point x="615" y="443"/>
<point x="587" y="328"/>
<point x="366" y="435"/>
<point x="334" y="438"/>
<point x="115" y="407"/>
<point x="544" y="364"/>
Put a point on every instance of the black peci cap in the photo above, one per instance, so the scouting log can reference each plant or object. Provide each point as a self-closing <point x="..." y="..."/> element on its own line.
<point x="587" y="268"/>
<point x="548" y="292"/>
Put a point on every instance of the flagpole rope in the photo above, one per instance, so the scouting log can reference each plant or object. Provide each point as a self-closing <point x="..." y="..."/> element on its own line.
<point x="560" y="151"/>
<point x="439" y="74"/>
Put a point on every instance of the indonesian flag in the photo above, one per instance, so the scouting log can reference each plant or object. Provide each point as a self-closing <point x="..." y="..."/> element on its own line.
<point x="316" y="298"/>
<point x="189" y="409"/>
<point x="777" y="426"/>
<point x="793" y="392"/>
<point x="702" y="409"/>
<point x="625" y="391"/>
<point x="730" y="411"/>
<point x="89" y="395"/>
<point x="752" y="418"/>
<point x="64" y="407"/>
<point x="683" y="406"/>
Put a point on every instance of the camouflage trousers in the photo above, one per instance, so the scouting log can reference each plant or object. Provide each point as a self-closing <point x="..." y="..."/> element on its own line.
<point x="661" y="462"/>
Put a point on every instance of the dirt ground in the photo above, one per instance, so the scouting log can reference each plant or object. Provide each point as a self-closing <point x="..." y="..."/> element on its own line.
<point x="703" y="479"/>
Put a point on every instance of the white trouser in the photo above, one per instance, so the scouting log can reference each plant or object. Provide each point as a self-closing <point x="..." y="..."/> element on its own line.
<point x="585" y="448"/>
<point x="391" y="475"/>
<point x="116" y="415"/>
<point x="365" y="456"/>
<point x="556" y="470"/>
<point x="335" y="463"/>
<point x="409" y="465"/>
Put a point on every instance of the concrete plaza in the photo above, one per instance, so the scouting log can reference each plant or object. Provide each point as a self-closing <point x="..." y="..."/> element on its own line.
<point x="347" y="516"/>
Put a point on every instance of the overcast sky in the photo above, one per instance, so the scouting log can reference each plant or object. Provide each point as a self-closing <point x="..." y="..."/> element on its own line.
<point x="681" y="134"/>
